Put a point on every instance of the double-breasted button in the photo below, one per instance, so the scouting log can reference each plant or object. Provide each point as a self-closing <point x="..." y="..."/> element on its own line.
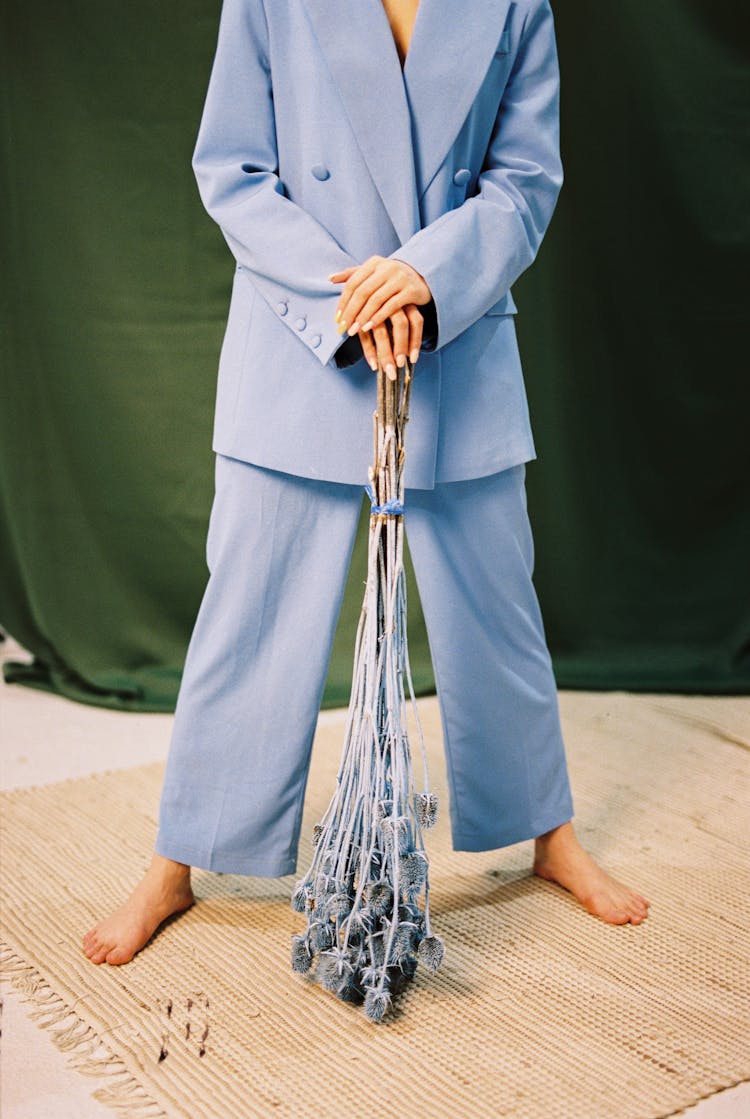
<point x="315" y="341"/>
<point x="320" y="171"/>
<point x="462" y="176"/>
<point x="301" y="323"/>
<point x="282" y="307"/>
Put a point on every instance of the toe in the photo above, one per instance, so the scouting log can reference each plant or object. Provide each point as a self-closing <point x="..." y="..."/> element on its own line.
<point x="100" y="954"/>
<point x="119" y="956"/>
<point x="603" y="908"/>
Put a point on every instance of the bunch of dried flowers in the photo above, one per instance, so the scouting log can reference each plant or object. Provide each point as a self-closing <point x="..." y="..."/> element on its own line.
<point x="366" y="932"/>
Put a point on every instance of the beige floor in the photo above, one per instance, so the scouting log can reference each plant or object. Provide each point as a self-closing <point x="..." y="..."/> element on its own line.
<point x="45" y="738"/>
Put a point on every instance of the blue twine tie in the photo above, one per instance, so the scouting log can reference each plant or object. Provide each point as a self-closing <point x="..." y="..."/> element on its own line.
<point x="392" y="508"/>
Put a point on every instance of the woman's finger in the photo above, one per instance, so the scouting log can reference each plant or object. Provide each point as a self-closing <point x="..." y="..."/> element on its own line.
<point x="369" y="350"/>
<point x="368" y="297"/>
<point x="344" y="274"/>
<point x="400" y="331"/>
<point x="416" y="329"/>
<point x="385" y="351"/>
<point x="357" y="276"/>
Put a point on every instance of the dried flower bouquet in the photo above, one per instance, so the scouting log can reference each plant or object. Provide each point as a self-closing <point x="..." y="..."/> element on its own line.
<point x="365" y="930"/>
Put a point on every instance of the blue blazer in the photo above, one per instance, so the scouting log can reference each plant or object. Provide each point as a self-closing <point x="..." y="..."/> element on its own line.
<point x="314" y="152"/>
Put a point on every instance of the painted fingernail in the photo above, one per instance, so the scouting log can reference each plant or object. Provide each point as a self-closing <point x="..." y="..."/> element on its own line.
<point x="391" y="370"/>
<point x="338" y="315"/>
<point x="354" y="328"/>
<point x="413" y="356"/>
<point x="341" y="327"/>
<point x="374" y="365"/>
<point x="400" y="360"/>
<point x="368" y="325"/>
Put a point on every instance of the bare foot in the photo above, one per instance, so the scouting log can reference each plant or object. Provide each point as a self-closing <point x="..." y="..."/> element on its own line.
<point x="164" y="889"/>
<point x="559" y="857"/>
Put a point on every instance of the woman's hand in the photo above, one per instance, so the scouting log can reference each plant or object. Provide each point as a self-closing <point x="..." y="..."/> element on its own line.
<point x="388" y="346"/>
<point x="380" y="289"/>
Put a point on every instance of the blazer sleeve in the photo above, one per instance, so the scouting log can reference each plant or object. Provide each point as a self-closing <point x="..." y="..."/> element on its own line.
<point x="287" y="253"/>
<point x="470" y="256"/>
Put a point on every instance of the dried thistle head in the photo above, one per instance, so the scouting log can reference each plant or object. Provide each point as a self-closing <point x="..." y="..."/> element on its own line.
<point x="430" y="952"/>
<point x="377" y="1003"/>
<point x="299" y="897"/>
<point x="370" y="975"/>
<point x="379" y="897"/>
<point x="384" y="807"/>
<point x="395" y="831"/>
<point x="319" y="936"/>
<point x="333" y="969"/>
<point x="350" y="991"/>
<point x="301" y="958"/>
<point x="404" y="941"/>
<point x="426" y="806"/>
<point x="414" y="870"/>
<point x="338" y="905"/>
<point x="316" y="833"/>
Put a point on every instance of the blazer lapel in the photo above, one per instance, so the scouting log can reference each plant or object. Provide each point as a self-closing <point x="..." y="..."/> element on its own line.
<point x="451" y="49"/>
<point x="356" y="40"/>
<point x="405" y="123"/>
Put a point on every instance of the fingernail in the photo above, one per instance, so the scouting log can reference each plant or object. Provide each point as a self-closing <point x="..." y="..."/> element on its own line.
<point x="368" y="325"/>
<point x="374" y="366"/>
<point x="338" y="315"/>
<point x="354" y="328"/>
<point x="391" y="370"/>
<point x="400" y="360"/>
<point x="413" y="356"/>
<point x="341" y="327"/>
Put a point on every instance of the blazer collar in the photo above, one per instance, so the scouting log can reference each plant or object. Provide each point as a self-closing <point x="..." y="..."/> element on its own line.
<point x="406" y="123"/>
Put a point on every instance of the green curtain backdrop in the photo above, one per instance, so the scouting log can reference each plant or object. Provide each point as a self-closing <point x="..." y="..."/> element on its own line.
<point x="115" y="289"/>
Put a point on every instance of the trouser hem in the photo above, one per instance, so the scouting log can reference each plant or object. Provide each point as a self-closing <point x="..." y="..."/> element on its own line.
<point x="225" y="863"/>
<point x="464" y="842"/>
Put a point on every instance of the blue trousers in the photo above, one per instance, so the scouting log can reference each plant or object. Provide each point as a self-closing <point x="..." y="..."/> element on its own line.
<point x="278" y="552"/>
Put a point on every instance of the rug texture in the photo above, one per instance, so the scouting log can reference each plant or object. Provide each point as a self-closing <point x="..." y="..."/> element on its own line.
<point x="539" y="1010"/>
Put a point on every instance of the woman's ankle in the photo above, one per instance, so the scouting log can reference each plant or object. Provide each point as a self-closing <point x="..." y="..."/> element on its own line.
<point x="169" y="867"/>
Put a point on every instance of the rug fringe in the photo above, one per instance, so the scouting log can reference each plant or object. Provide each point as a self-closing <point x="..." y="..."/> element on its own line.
<point x="79" y="1040"/>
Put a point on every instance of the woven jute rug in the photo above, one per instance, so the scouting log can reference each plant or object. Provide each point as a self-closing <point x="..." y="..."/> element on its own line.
<point x="540" y="1010"/>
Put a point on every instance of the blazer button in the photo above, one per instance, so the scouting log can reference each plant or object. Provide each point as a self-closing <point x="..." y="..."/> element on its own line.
<point x="320" y="171"/>
<point x="301" y="323"/>
<point x="315" y="341"/>
<point x="282" y="307"/>
<point x="462" y="176"/>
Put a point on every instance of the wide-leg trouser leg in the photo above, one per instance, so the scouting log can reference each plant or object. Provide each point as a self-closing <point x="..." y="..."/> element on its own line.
<point x="472" y="549"/>
<point x="278" y="551"/>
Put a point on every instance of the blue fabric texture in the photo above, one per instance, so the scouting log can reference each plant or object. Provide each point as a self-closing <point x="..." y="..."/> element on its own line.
<point x="278" y="551"/>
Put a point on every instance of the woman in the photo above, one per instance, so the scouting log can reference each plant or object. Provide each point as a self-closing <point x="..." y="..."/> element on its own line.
<point x="382" y="173"/>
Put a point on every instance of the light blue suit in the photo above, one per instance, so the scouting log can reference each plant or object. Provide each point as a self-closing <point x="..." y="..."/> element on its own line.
<point x="453" y="167"/>
<point x="315" y="152"/>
